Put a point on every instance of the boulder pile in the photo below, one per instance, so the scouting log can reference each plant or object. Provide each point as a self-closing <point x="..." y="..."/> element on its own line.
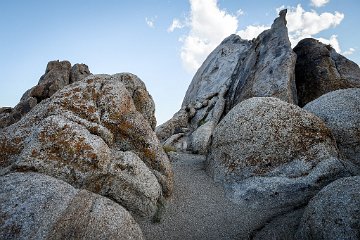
<point x="243" y="110"/>
<point x="81" y="156"/>
<point x="95" y="134"/>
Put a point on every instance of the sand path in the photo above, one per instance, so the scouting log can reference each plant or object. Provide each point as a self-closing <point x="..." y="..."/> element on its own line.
<point x="198" y="208"/>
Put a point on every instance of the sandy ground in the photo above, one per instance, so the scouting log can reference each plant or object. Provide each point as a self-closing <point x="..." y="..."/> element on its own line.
<point x="198" y="208"/>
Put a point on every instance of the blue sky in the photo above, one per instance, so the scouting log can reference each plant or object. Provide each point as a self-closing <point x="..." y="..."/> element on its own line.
<point x="163" y="42"/>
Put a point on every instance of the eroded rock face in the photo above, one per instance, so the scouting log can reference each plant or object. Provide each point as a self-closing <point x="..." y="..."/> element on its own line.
<point x="58" y="74"/>
<point x="272" y="155"/>
<point x="236" y="70"/>
<point x="319" y="70"/>
<point x="79" y="72"/>
<point x="91" y="135"/>
<point x="268" y="69"/>
<point x="36" y="206"/>
<point x="340" y="110"/>
<point x="204" y="100"/>
<point x="143" y="101"/>
<point x="217" y="69"/>
<point x="333" y="213"/>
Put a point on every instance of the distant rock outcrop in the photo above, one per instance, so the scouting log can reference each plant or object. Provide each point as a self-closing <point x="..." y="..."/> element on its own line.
<point x="57" y="75"/>
<point x="36" y="206"/>
<point x="340" y="110"/>
<point x="320" y="69"/>
<point x="236" y="70"/>
<point x="92" y="135"/>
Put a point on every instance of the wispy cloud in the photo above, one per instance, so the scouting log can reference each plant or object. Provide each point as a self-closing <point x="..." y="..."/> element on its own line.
<point x="150" y="21"/>
<point x="240" y="12"/>
<point x="319" y="3"/>
<point x="176" y="23"/>
<point x="349" y="52"/>
<point x="252" y="31"/>
<point x="333" y="41"/>
<point x="303" y="24"/>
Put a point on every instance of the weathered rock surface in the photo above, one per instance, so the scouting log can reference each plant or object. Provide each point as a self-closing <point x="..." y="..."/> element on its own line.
<point x="273" y="155"/>
<point x="216" y="70"/>
<point x="236" y="70"/>
<point x="79" y="72"/>
<point x="36" y="206"/>
<point x="334" y="212"/>
<point x="204" y="100"/>
<point x="57" y="75"/>
<point x="281" y="227"/>
<point x="268" y="69"/>
<point x="319" y="70"/>
<point x="91" y="135"/>
<point x="340" y="110"/>
<point x="143" y="101"/>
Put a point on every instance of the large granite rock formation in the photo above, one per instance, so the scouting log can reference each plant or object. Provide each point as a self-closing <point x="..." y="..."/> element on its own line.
<point x="230" y="74"/>
<point x="273" y="155"/>
<point x="340" y="110"/>
<point x="320" y="69"/>
<point x="91" y="135"/>
<point x="333" y="213"/>
<point x="204" y="101"/>
<point x="268" y="69"/>
<point x="57" y="75"/>
<point x="36" y="206"/>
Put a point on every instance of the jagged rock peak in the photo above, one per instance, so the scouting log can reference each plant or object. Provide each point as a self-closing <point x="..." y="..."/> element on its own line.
<point x="236" y="70"/>
<point x="267" y="70"/>
<point x="281" y="20"/>
<point x="57" y="75"/>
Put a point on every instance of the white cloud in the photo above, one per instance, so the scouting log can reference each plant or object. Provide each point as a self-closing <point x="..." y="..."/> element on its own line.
<point x="209" y="25"/>
<point x="302" y="24"/>
<point x="333" y="41"/>
<point x="252" y="31"/>
<point x="175" y="24"/>
<point x="150" y="21"/>
<point x="349" y="52"/>
<point x="319" y="3"/>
